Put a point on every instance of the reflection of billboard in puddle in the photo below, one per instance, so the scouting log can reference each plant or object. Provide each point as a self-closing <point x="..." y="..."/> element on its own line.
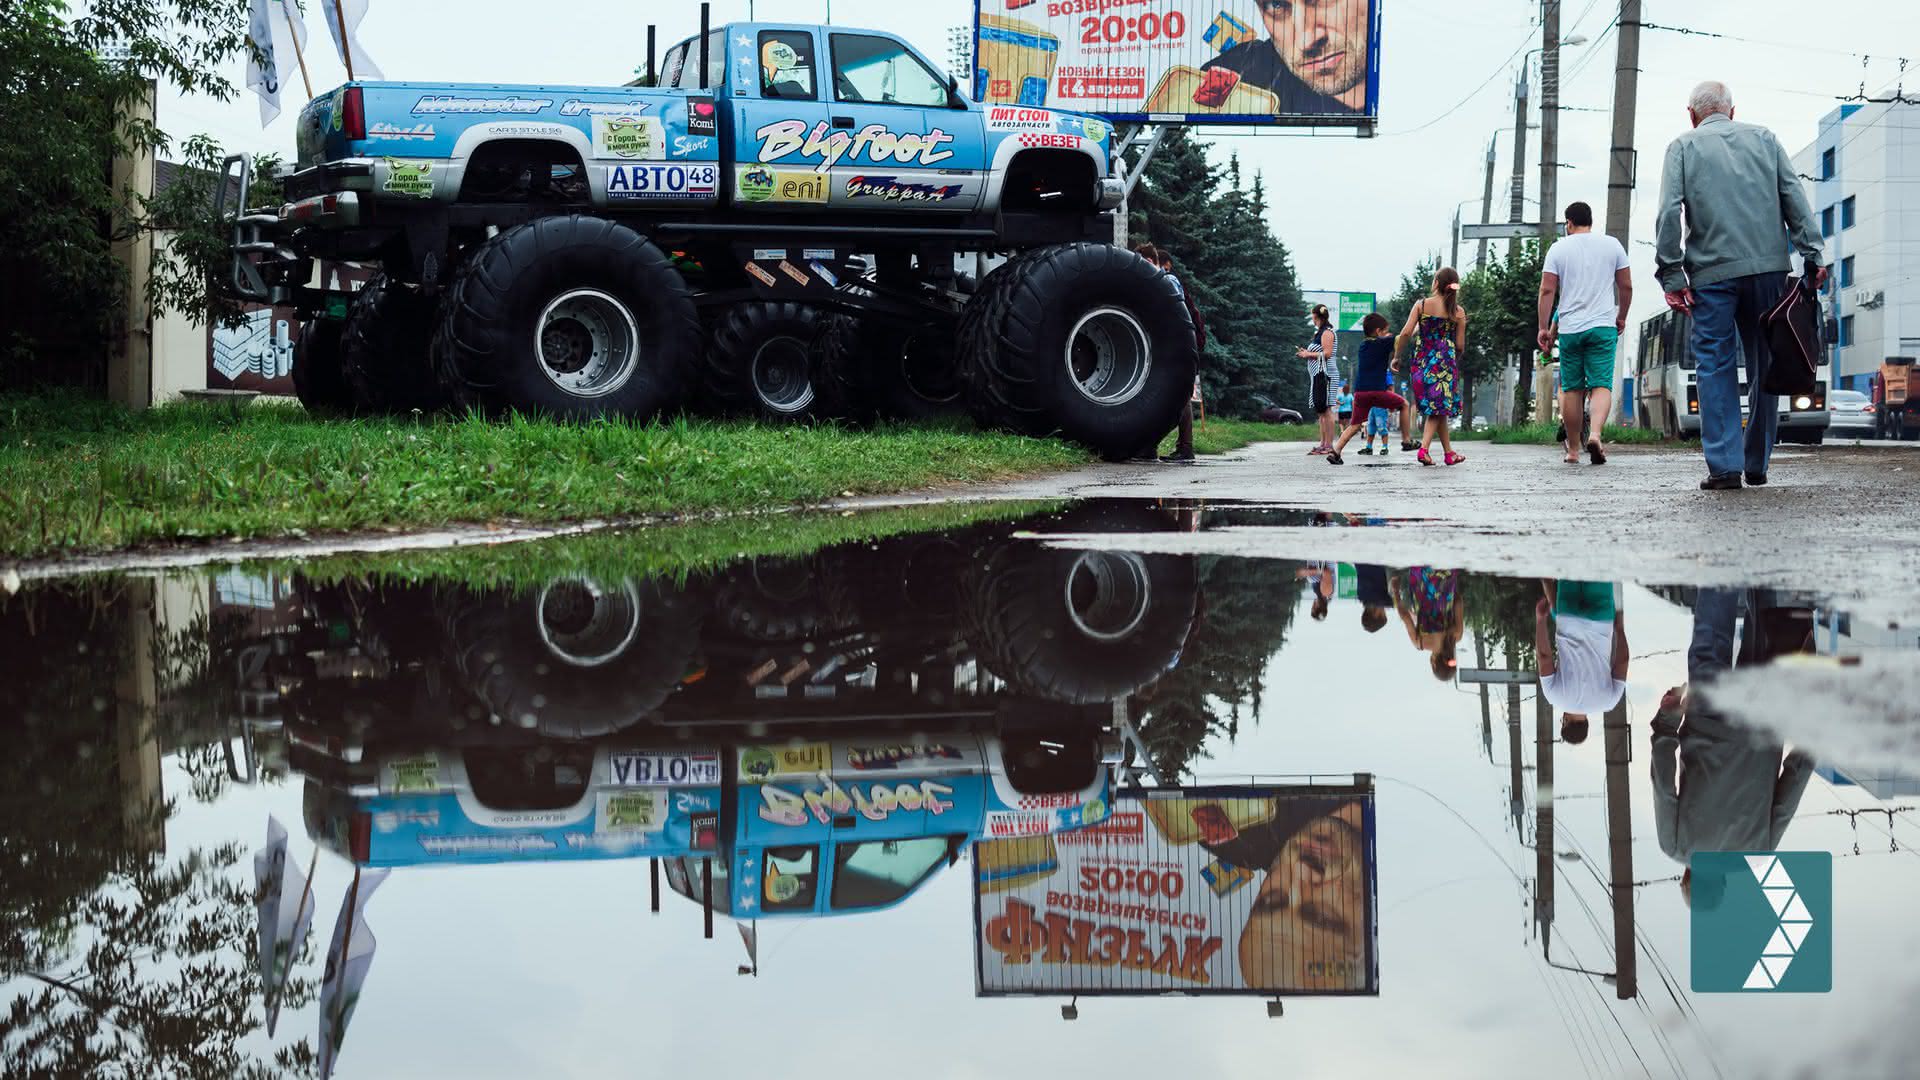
<point x="1262" y="890"/>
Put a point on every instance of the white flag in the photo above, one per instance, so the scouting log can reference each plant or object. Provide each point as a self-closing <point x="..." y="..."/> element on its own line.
<point x="348" y="959"/>
<point x="343" y="22"/>
<point x="275" y="29"/>
<point x="283" y="899"/>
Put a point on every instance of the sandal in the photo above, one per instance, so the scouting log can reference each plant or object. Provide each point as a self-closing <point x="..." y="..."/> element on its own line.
<point x="1424" y="459"/>
<point x="1408" y="444"/>
<point x="1594" y="452"/>
<point x="1455" y="459"/>
<point x="1333" y="458"/>
<point x="1316" y="450"/>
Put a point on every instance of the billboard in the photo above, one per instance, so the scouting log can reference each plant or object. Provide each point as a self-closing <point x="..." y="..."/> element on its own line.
<point x="1259" y="890"/>
<point x="1184" y="61"/>
<point x="1347" y="308"/>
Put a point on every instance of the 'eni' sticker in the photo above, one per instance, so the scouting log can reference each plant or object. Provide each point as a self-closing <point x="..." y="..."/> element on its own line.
<point x="761" y="275"/>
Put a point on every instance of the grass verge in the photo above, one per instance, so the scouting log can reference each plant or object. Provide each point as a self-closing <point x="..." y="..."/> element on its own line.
<point x="668" y="551"/>
<point x="1219" y="435"/>
<point x="77" y="475"/>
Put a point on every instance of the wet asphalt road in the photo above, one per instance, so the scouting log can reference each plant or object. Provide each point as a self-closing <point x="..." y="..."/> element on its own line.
<point x="1843" y="521"/>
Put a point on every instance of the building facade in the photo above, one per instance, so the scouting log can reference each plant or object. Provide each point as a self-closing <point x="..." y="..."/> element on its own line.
<point x="1863" y="171"/>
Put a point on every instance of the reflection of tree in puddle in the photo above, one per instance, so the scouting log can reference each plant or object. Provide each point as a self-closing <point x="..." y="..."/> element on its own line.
<point x="1247" y="607"/>
<point x="121" y="959"/>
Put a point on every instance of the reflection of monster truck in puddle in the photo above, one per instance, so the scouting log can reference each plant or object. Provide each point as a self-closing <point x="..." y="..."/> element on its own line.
<point x="772" y="227"/>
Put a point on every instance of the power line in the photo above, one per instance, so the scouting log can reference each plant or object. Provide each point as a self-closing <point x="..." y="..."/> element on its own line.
<point x="1495" y="73"/>
<point x="1798" y="47"/>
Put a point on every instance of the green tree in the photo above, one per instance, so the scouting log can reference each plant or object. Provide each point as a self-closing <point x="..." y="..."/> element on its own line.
<point x="1214" y="224"/>
<point x="1501" y="297"/>
<point x="66" y="113"/>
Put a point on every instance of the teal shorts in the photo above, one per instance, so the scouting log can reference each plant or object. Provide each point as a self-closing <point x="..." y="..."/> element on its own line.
<point x="1586" y="359"/>
<point x="1584" y="599"/>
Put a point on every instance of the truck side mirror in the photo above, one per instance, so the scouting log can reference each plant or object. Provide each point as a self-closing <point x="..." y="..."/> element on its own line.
<point x="954" y="100"/>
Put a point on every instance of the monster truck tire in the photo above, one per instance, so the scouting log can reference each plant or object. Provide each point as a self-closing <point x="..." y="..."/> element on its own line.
<point x="783" y="599"/>
<point x="385" y="350"/>
<point x="899" y="372"/>
<point x="761" y="361"/>
<point x="571" y="316"/>
<point x="576" y="658"/>
<point x="1087" y="340"/>
<point x="318" y="379"/>
<point x="1079" y="627"/>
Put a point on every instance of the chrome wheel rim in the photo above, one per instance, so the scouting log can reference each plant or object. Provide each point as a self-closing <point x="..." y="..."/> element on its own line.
<point x="1109" y="356"/>
<point x="588" y="343"/>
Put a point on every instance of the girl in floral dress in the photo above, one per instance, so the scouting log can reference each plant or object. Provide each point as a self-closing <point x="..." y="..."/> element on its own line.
<point x="1439" y="325"/>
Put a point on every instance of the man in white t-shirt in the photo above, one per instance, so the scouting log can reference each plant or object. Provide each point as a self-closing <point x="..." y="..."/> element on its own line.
<point x="1581" y="642"/>
<point x="1586" y="273"/>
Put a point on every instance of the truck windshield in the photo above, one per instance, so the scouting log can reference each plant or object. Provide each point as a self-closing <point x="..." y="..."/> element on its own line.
<point x="880" y="872"/>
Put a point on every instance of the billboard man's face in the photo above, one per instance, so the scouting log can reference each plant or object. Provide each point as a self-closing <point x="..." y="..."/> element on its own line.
<point x="1308" y="927"/>
<point x="1323" y="42"/>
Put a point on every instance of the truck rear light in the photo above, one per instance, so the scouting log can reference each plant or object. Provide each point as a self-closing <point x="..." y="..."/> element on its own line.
<point x="353" y="113"/>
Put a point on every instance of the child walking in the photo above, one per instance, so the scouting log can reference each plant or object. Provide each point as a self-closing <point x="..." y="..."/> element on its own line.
<point x="1440" y="324"/>
<point x="1373" y="385"/>
<point x="1378" y="424"/>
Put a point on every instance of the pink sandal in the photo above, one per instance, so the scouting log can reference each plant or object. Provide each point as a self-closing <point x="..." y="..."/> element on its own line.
<point x="1424" y="459"/>
<point x="1455" y="459"/>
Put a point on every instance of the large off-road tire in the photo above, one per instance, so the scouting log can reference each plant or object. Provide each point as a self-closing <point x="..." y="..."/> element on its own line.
<point x="760" y="361"/>
<point x="1087" y="340"/>
<point x="569" y="316"/>
<point x="318" y="379"/>
<point x="782" y="599"/>
<point x="1080" y="627"/>
<point x="893" y="370"/>
<point x="576" y="658"/>
<point x="385" y="351"/>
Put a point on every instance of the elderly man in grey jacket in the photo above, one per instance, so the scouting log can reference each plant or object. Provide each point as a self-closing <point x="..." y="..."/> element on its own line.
<point x="1732" y="212"/>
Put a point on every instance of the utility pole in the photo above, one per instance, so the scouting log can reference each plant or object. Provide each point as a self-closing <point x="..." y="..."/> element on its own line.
<point x="1549" y="121"/>
<point x="1486" y="204"/>
<point x="1455" y="261"/>
<point x="1623" y="163"/>
<point x="1518" y="191"/>
<point x="1619" y="754"/>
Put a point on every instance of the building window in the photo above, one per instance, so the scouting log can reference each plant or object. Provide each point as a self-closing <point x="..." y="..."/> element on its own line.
<point x="1826" y="222"/>
<point x="1846" y="272"/>
<point x="1846" y="331"/>
<point x="1826" y="164"/>
<point x="1846" y="212"/>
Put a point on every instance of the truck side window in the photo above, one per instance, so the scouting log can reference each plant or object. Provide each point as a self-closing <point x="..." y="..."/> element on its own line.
<point x="881" y="71"/>
<point x="688" y="74"/>
<point x="879" y="872"/>
<point x="788" y="877"/>
<point x="786" y="65"/>
<point x="674" y="63"/>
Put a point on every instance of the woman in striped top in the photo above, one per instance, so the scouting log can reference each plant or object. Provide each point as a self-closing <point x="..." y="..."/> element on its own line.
<point x="1323" y="376"/>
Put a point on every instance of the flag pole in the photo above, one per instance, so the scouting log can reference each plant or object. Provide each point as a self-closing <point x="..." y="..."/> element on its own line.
<point x="346" y="53"/>
<point x="306" y="890"/>
<point x="293" y="32"/>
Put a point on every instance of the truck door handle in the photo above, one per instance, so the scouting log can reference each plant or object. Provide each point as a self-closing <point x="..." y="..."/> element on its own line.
<point x="845" y="822"/>
<point x="843" y="122"/>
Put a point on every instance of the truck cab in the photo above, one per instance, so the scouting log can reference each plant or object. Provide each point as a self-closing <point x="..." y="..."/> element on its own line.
<point x="841" y="824"/>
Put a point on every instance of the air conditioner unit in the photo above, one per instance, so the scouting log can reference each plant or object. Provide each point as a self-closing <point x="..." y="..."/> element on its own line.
<point x="1869" y="298"/>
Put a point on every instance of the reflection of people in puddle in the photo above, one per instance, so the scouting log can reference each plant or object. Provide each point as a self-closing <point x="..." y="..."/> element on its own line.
<point x="1308" y="926"/>
<point x="1320" y="581"/>
<point x="1580" y="637"/>
<point x="1370" y="587"/>
<point x="1718" y="786"/>
<point x="1433" y="606"/>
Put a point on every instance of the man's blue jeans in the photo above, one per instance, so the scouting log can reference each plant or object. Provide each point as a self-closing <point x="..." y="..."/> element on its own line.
<point x="1726" y="323"/>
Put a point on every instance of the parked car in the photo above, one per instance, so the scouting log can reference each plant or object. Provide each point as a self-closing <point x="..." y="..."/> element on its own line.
<point x="1854" y="416"/>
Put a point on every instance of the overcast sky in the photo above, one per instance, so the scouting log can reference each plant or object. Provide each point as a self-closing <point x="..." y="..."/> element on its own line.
<point x="1354" y="212"/>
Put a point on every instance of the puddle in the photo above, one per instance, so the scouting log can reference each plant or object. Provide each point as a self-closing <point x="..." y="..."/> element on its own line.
<point x="1039" y="769"/>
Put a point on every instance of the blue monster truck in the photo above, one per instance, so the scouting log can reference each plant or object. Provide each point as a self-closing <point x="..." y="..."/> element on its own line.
<point x="768" y="224"/>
